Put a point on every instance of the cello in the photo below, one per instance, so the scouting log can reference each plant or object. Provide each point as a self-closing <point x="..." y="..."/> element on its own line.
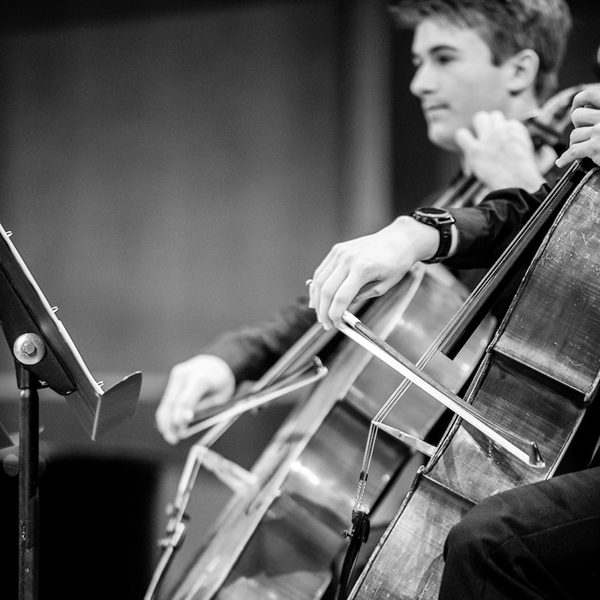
<point x="538" y="379"/>
<point x="279" y="534"/>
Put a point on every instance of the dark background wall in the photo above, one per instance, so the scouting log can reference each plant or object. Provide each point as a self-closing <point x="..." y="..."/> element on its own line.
<point x="171" y="170"/>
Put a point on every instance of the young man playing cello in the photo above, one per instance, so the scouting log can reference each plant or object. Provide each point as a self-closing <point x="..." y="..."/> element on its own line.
<point x="481" y="67"/>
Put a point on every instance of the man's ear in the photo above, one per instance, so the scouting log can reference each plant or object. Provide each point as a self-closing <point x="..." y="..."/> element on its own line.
<point x="521" y="71"/>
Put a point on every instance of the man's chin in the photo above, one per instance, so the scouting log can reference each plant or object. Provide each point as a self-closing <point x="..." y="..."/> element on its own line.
<point x="443" y="138"/>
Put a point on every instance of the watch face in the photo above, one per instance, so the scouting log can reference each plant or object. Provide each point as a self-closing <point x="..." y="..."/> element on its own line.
<point x="431" y="211"/>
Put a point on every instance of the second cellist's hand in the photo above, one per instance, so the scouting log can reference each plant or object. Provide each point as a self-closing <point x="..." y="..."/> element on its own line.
<point x="500" y="153"/>
<point x="585" y="138"/>
<point x="200" y="382"/>
<point x="368" y="266"/>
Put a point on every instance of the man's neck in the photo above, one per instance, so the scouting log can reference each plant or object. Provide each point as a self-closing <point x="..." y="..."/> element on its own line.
<point x="522" y="106"/>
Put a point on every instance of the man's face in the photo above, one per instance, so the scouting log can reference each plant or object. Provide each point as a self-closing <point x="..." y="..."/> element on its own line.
<point x="454" y="79"/>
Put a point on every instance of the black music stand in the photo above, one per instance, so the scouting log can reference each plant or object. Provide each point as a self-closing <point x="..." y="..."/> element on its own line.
<point x="45" y="356"/>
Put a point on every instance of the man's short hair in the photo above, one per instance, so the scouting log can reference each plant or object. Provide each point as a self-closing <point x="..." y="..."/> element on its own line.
<point x="507" y="26"/>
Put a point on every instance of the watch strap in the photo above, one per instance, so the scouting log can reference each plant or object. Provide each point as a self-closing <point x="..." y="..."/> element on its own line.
<point x="442" y="220"/>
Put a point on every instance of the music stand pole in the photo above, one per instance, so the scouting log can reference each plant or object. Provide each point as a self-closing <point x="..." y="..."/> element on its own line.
<point x="28" y="349"/>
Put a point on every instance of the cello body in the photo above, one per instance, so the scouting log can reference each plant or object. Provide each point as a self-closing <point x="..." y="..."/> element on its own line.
<point x="277" y="538"/>
<point x="538" y="380"/>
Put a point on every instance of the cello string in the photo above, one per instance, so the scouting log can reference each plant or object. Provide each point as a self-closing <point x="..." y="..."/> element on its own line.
<point x="418" y="272"/>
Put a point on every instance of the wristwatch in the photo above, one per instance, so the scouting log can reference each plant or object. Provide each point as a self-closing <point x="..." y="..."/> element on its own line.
<point x="442" y="220"/>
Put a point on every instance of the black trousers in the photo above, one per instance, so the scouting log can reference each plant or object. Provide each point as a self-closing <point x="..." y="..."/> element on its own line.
<point x="537" y="541"/>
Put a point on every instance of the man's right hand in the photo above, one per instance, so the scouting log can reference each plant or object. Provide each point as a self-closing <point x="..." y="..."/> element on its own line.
<point x="369" y="266"/>
<point x="200" y="382"/>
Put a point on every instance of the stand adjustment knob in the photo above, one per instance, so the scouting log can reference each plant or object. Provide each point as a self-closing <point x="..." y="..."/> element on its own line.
<point x="29" y="349"/>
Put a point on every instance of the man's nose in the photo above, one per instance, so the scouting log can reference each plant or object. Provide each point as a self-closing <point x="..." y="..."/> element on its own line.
<point x="422" y="82"/>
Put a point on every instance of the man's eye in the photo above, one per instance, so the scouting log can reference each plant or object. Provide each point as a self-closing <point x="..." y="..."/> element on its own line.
<point x="444" y="59"/>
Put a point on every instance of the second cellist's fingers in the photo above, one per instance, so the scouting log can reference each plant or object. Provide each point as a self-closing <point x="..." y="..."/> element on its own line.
<point x="589" y="96"/>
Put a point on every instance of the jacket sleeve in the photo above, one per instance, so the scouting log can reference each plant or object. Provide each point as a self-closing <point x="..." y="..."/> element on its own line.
<point x="251" y="351"/>
<point x="487" y="229"/>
